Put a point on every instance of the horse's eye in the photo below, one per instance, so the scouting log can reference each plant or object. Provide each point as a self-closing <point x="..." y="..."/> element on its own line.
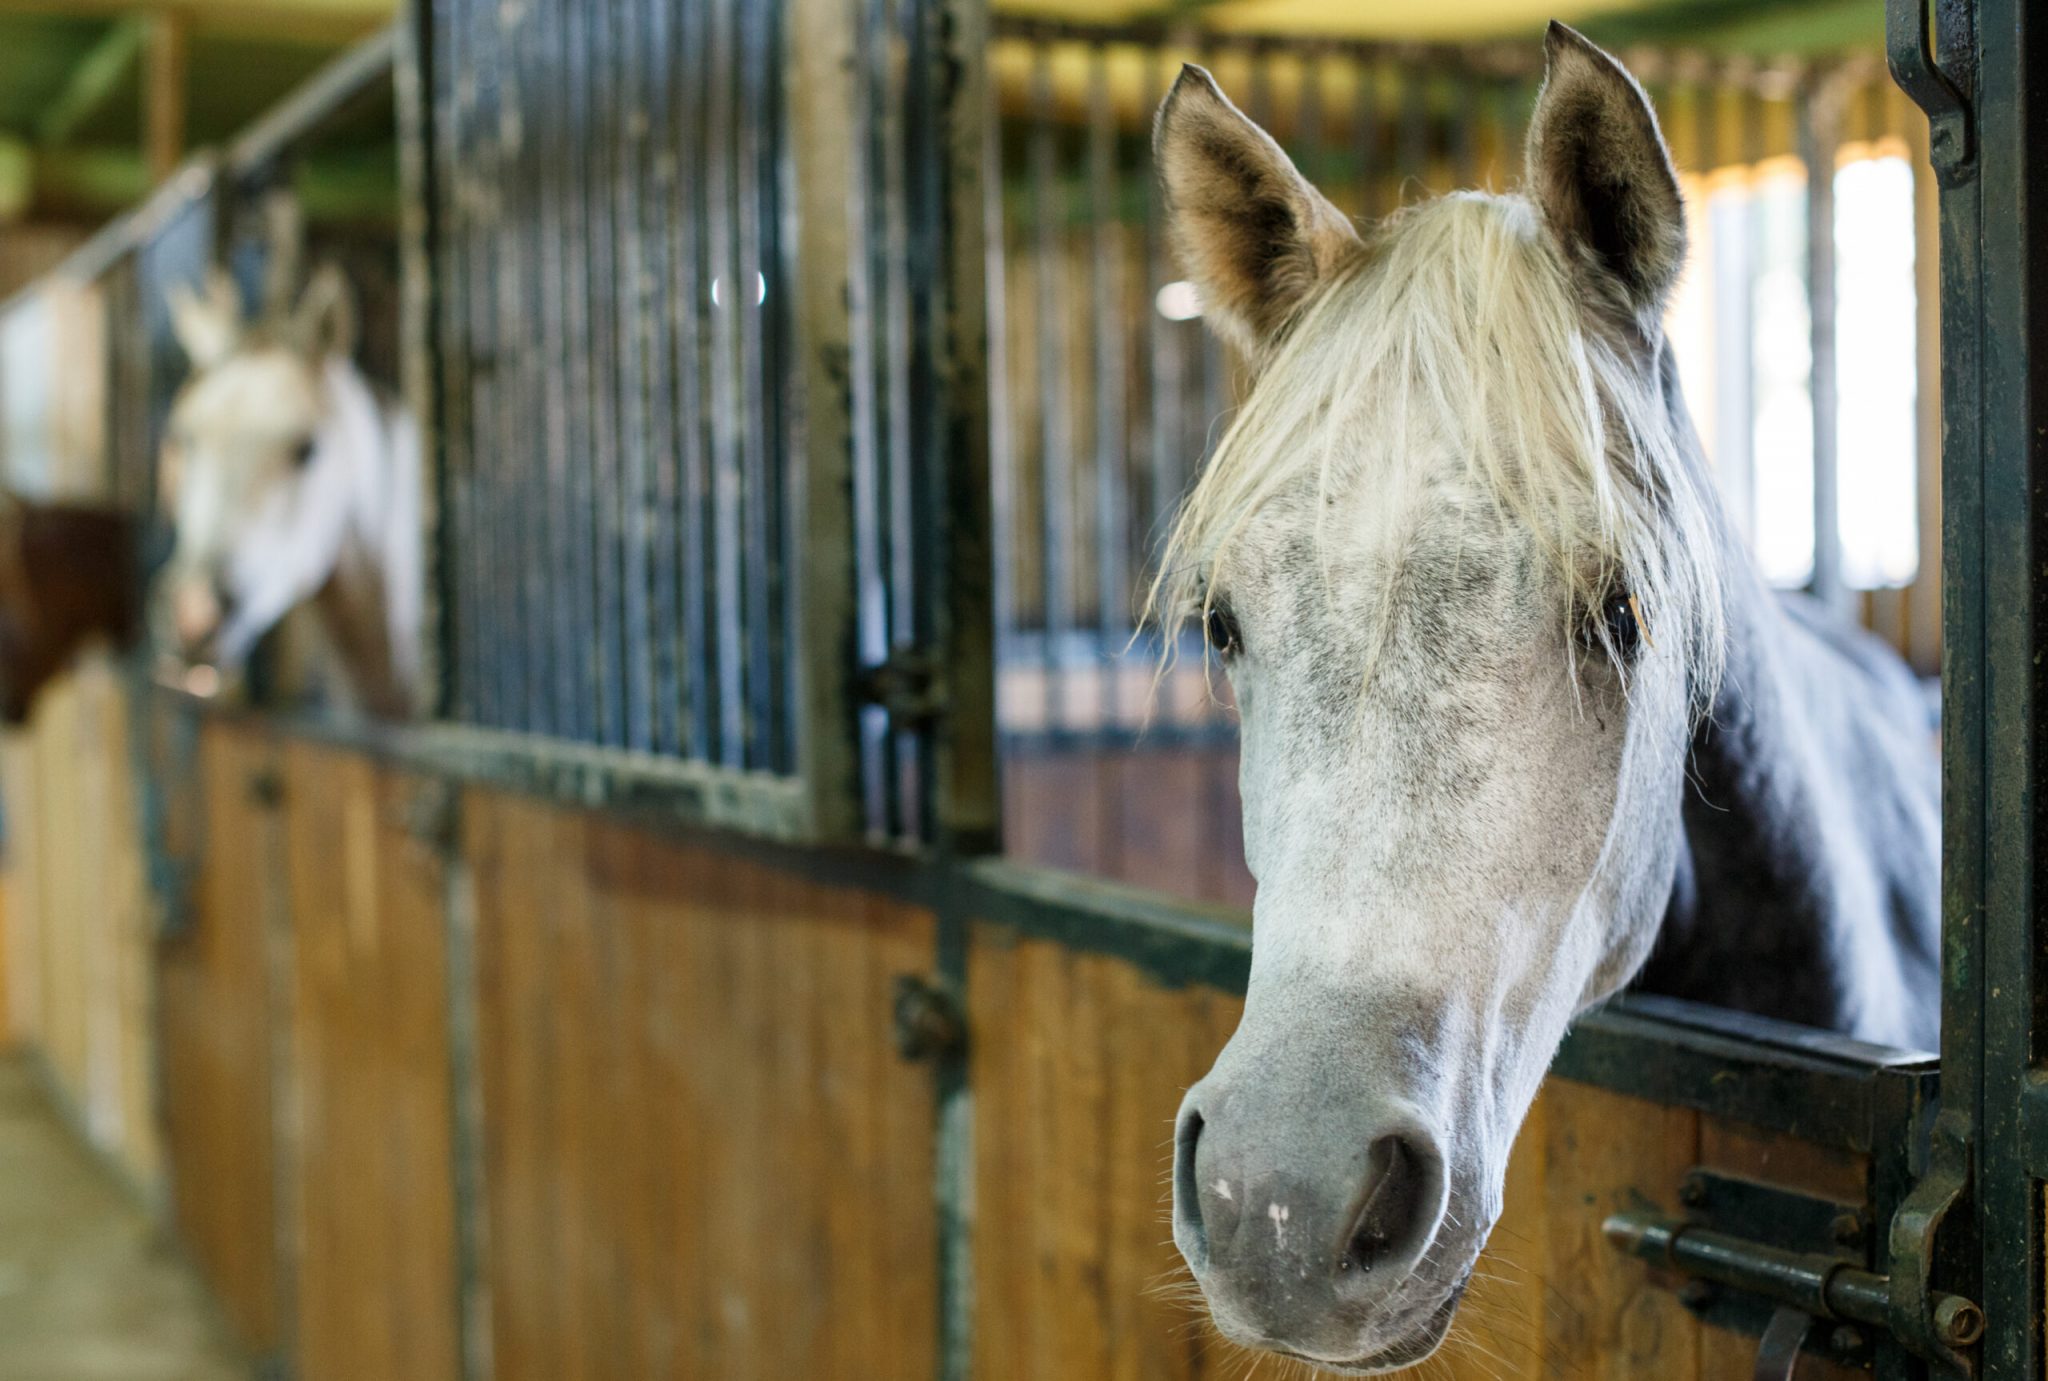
<point x="1221" y="630"/>
<point x="1623" y="616"/>
<point x="302" y="454"/>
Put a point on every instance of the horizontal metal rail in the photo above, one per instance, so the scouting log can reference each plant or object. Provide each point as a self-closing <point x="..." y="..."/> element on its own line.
<point x="315" y="100"/>
<point x="1822" y="1286"/>
<point x="1801" y="1082"/>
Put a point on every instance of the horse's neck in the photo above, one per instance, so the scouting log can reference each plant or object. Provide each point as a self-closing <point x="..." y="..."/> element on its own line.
<point x="1805" y="891"/>
<point x="372" y="604"/>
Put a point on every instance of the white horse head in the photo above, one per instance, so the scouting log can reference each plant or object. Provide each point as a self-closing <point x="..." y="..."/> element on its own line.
<point x="287" y="481"/>
<point x="1467" y="590"/>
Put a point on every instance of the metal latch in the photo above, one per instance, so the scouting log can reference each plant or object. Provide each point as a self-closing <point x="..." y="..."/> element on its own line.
<point x="1809" y="1289"/>
<point x="908" y="685"/>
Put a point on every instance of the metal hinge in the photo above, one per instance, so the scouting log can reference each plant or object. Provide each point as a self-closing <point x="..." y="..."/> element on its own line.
<point x="1909" y="52"/>
<point x="910" y="685"/>
<point x="1817" y="1296"/>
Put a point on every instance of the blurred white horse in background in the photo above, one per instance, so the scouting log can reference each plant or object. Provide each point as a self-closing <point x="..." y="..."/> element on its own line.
<point x="290" y="481"/>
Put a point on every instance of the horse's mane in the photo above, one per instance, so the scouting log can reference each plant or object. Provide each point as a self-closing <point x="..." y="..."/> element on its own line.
<point x="1459" y="323"/>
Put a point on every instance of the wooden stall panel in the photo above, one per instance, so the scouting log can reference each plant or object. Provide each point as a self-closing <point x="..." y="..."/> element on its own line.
<point x="701" y="1154"/>
<point x="370" y="1164"/>
<point x="80" y="923"/>
<point x="219" y="1027"/>
<point x="1078" y="1063"/>
<point x="1166" y="818"/>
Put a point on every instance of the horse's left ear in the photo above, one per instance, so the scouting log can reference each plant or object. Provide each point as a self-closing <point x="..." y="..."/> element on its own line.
<point x="323" y="325"/>
<point x="1250" y="231"/>
<point x="207" y="324"/>
<point x="1602" y="176"/>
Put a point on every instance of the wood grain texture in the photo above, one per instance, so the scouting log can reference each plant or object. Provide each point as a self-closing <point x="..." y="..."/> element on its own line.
<point x="370" y="1161"/>
<point x="1163" y="817"/>
<point x="702" y="1156"/>
<point x="217" y="990"/>
<point x="1078" y="1063"/>
<point x="80" y="934"/>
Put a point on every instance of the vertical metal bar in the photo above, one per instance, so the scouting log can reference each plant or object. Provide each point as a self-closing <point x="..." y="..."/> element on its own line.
<point x="1004" y="478"/>
<point x="1995" y="458"/>
<point x="420" y="337"/>
<point x="826" y="154"/>
<point x="1055" y="434"/>
<point x="1308" y="135"/>
<point x="524" y="557"/>
<point x="894" y="80"/>
<point x="562" y="625"/>
<point x="697" y="593"/>
<point x="659" y="344"/>
<point x="1365" y="132"/>
<point x="457" y="442"/>
<point x="866" y="405"/>
<point x="630" y="131"/>
<point x="551" y="600"/>
<point x="580" y="488"/>
<point x="754" y="185"/>
<point x="1412" y="158"/>
<point x="1819" y="133"/>
<point x="1112" y="537"/>
<point x="1464" y="111"/>
<point x="944" y="98"/>
<point x="601" y="151"/>
<point x="727" y="419"/>
<point x="495" y="693"/>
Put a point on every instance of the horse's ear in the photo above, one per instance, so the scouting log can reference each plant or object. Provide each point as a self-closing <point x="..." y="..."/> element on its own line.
<point x="207" y="324"/>
<point x="1599" y="171"/>
<point x="324" y="323"/>
<point x="1250" y="231"/>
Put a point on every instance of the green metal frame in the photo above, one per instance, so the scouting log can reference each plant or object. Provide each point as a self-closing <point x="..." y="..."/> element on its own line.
<point x="1955" y="1177"/>
<point x="1978" y="68"/>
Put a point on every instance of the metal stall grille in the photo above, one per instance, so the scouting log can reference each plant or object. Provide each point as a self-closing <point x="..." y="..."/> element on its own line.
<point x="611" y="381"/>
<point x="1109" y="392"/>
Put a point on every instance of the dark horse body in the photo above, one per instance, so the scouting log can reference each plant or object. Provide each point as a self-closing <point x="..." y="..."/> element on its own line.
<point x="1809" y="885"/>
<point x="67" y="576"/>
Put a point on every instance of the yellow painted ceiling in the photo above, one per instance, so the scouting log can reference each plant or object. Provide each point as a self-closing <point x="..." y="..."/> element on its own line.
<point x="1409" y="19"/>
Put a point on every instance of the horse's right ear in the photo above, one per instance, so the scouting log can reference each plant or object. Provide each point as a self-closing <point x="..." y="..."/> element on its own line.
<point x="207" y="324"/>
<point x="1602" y="176"/>
<point x="323" y="325"/>
<point x="1250" y="231"/>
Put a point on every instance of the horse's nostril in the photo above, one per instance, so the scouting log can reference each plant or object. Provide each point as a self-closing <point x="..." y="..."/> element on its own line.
<point x="1391" y="1217"/>
<point x="1190" y="1234"/>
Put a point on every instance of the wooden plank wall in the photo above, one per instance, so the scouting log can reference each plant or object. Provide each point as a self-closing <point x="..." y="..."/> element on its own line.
<point x="80" y="924"/>
<point x="369" y="1143"/>
<point x="220" y="1005"/>
<point x="702" y="1156"/>
<point x="1165" y="817"/>
<point x="519" y="1091"/>
<point x="1078" y="1065"/>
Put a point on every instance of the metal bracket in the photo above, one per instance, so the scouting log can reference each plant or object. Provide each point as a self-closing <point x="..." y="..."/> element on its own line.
<point x="431" y="814"/>
<point x="1909" y="52"/>
<point x="1813" y="1273"/>
<point x="1932" y="1325"/>
<point x="910" y="685"/>
<point x="928" y="1021"/>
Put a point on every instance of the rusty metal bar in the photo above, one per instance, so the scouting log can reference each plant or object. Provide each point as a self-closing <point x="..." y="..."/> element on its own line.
<point x="1112" y="435"/>
<point x="1055" y="434"/>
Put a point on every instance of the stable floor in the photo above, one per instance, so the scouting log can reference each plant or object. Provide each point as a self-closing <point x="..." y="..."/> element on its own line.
<point x="90" y="1289"/>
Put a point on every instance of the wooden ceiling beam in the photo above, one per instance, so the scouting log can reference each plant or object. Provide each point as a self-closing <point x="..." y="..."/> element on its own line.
<point x="94" y="81"/>
<point x="309" y="21"/>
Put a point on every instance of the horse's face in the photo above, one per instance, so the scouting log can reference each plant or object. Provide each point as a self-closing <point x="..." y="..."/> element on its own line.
<point x="254" y="471"/>
<point x="1463" y="730"/>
